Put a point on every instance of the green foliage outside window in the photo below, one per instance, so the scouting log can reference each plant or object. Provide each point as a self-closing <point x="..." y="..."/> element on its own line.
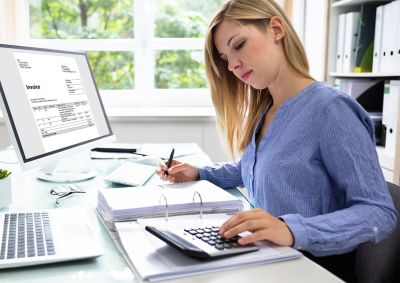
<point x="75" y="19"/>
<point x="113" y="19"/>
<point x="113" y="70"/>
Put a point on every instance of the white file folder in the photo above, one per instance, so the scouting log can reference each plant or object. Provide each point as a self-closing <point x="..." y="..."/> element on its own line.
<point x="388" y="38"/>
<point x="392" y="108"/>
<point x="397" y="37"/>
<point x="351" y="33"/>
<point x="340" y="42"/>
<point x="378" y="39"/>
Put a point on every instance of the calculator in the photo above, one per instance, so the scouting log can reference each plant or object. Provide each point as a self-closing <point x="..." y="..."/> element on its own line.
<point x="201" y="242"/>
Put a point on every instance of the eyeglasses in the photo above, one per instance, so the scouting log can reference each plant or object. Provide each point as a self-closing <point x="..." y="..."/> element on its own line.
<point x="64" y="191"/>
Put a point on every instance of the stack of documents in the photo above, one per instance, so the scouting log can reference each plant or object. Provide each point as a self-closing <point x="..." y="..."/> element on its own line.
<point x="152" y="259"/>
<point x="131" y="203"/>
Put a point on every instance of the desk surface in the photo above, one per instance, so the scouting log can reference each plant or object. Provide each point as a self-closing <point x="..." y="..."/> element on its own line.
<point x="31" y="193"/>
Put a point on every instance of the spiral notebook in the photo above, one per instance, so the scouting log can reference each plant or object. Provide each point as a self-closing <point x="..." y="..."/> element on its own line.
<point x="130" y="203"/>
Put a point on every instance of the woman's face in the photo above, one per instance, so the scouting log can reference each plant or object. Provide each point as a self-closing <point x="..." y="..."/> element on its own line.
<point x="253" y="55"/>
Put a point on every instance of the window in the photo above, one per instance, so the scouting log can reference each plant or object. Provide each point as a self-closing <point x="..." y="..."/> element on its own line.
<point x="142" y="52"/>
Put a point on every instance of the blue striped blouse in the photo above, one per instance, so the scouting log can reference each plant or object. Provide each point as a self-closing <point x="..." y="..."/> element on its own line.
<point x="317" y="168"/>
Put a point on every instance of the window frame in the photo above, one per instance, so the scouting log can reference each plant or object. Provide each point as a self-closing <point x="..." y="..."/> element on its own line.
<point x="144" y="46"/>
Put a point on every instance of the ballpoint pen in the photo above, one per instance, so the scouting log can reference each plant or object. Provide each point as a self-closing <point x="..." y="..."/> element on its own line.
<point x="169" y="161"/>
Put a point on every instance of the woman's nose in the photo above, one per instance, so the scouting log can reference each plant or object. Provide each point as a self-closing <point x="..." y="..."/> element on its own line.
<point x="233" y="64"/>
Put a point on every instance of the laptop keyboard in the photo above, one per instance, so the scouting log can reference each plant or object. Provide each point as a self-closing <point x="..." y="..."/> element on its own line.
<point x="26" y="235"/>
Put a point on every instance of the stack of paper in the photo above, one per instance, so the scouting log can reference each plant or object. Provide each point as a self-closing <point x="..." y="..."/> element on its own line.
<point x="151" y="259"/>
<point x="131" y="203"/>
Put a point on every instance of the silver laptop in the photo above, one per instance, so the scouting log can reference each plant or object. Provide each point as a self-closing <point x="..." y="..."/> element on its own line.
<point x="46" y="236"/>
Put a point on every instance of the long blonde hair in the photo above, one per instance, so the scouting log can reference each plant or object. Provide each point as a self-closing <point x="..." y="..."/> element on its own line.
<point x="239" y="106"/>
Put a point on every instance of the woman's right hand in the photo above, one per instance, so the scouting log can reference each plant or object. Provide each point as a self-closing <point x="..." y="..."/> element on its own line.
<point x="178" y="172"/>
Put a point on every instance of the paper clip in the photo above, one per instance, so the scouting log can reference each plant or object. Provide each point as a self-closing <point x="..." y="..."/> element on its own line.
<point x="162" y="196"/>
<point x="201" y="202"/>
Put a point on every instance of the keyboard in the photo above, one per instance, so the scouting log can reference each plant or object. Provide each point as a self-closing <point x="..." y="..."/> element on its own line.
<point x="26" y="235"/>
<point x="201" y="242"/>
<point x="131" y="174"/>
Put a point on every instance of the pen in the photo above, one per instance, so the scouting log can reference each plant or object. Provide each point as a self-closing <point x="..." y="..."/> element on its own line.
<point x="170" y="161"/>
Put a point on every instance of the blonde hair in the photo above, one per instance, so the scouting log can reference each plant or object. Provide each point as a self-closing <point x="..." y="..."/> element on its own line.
<point x="239" y="106"/>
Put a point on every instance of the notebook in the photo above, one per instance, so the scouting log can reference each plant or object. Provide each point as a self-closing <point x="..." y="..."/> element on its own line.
<point x="46" y="236"/>
<point x="131" y="203"/>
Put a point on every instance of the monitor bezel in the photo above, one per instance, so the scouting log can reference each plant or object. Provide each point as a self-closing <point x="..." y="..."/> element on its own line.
<point x="51" y="156"/>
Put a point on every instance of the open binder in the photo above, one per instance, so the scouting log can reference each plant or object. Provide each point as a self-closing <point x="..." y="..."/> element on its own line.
<point x="152" y="259"/>
<point x="130" y="203"/>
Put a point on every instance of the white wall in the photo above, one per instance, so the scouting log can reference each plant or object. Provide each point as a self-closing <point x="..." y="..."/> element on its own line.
<point x="170" y="130"/>
<point x="315" y="36"/>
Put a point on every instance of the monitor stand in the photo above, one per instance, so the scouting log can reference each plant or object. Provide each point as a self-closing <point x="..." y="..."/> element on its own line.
<point x="51" y="174"/>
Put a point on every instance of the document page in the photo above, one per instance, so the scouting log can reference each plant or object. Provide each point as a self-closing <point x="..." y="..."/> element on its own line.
<point x="57" y="98"/>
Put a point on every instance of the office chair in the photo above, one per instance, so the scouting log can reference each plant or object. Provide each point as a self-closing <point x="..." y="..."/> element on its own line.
<point x="381" y="262"/>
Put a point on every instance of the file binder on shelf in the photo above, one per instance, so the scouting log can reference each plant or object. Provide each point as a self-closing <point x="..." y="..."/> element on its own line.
<point x="350" y="39"/>
<point x="340" y="43"/>
<point x="365" y="39"/>
<point x="153" y="260"/>
<point x="391" y="109"/>
<point x="130" y="203"/>
<point x="388" y="64"/>
<point x="376" y="62"/>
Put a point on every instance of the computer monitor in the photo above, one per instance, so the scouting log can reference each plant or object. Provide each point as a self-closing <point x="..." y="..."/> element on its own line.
<point x="52" y="108"/>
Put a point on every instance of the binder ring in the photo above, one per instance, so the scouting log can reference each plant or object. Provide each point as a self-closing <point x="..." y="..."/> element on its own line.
<point x="162" y="196"/>
<point x="201" y="202"/>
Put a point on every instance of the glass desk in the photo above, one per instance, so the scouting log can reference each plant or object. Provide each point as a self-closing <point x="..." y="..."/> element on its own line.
<point x="31" y="193"/>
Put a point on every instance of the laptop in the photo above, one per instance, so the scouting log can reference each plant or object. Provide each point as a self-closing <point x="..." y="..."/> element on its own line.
<point x="46" y="236"/>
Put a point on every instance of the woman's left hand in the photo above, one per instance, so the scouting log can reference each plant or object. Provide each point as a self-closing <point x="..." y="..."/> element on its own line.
<point x="263" y="226"/>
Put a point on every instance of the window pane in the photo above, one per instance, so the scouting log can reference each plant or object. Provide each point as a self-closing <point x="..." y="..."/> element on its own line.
<point x="184" y="18"/>
<point x="113" y="70"/>
<point x="69" y="20"/>
<point x="180" y="69"/>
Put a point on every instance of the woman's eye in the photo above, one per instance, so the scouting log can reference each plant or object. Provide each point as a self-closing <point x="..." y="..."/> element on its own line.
<point x="240" y="45"/>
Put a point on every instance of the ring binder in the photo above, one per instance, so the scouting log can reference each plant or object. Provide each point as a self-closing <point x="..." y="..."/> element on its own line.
<point x="166" y="205"/>
<point x="201" y="202"/>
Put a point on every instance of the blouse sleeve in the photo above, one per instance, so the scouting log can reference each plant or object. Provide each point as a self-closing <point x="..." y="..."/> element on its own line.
<point x="347" y="150"/>
<point x="224" y="175"/>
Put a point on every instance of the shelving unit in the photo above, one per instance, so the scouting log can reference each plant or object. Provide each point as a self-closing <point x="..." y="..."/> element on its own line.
<point x="390" y="165"/>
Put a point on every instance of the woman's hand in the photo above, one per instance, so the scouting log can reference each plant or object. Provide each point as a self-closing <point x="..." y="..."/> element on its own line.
<point x="263" y="226"/>
<point x="179" y="172"/>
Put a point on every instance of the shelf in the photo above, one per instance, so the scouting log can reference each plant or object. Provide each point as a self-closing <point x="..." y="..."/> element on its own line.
<point x="386" y="161"/>
<point x="347" y="3"/>
<point x="364" y="75"/>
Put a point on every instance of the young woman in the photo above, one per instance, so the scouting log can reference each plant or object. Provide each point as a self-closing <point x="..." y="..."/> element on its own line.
<point x="307" y="151"/>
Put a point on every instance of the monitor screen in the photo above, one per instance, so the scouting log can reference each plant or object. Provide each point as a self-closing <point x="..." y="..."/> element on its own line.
<point x="50" y="101"/>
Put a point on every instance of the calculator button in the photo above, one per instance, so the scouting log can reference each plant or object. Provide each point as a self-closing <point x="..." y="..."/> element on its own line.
<point x="205" y="239"/>
<point x="219" y="246"/>
<point x="227" y="245"/>
<point x="211" y="242"/>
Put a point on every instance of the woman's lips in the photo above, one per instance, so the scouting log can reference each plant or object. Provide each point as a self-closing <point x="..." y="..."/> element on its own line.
<point x="245" y="76"/>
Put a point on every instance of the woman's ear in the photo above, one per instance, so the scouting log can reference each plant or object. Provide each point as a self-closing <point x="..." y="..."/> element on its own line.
<point x="277" y="27"/>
